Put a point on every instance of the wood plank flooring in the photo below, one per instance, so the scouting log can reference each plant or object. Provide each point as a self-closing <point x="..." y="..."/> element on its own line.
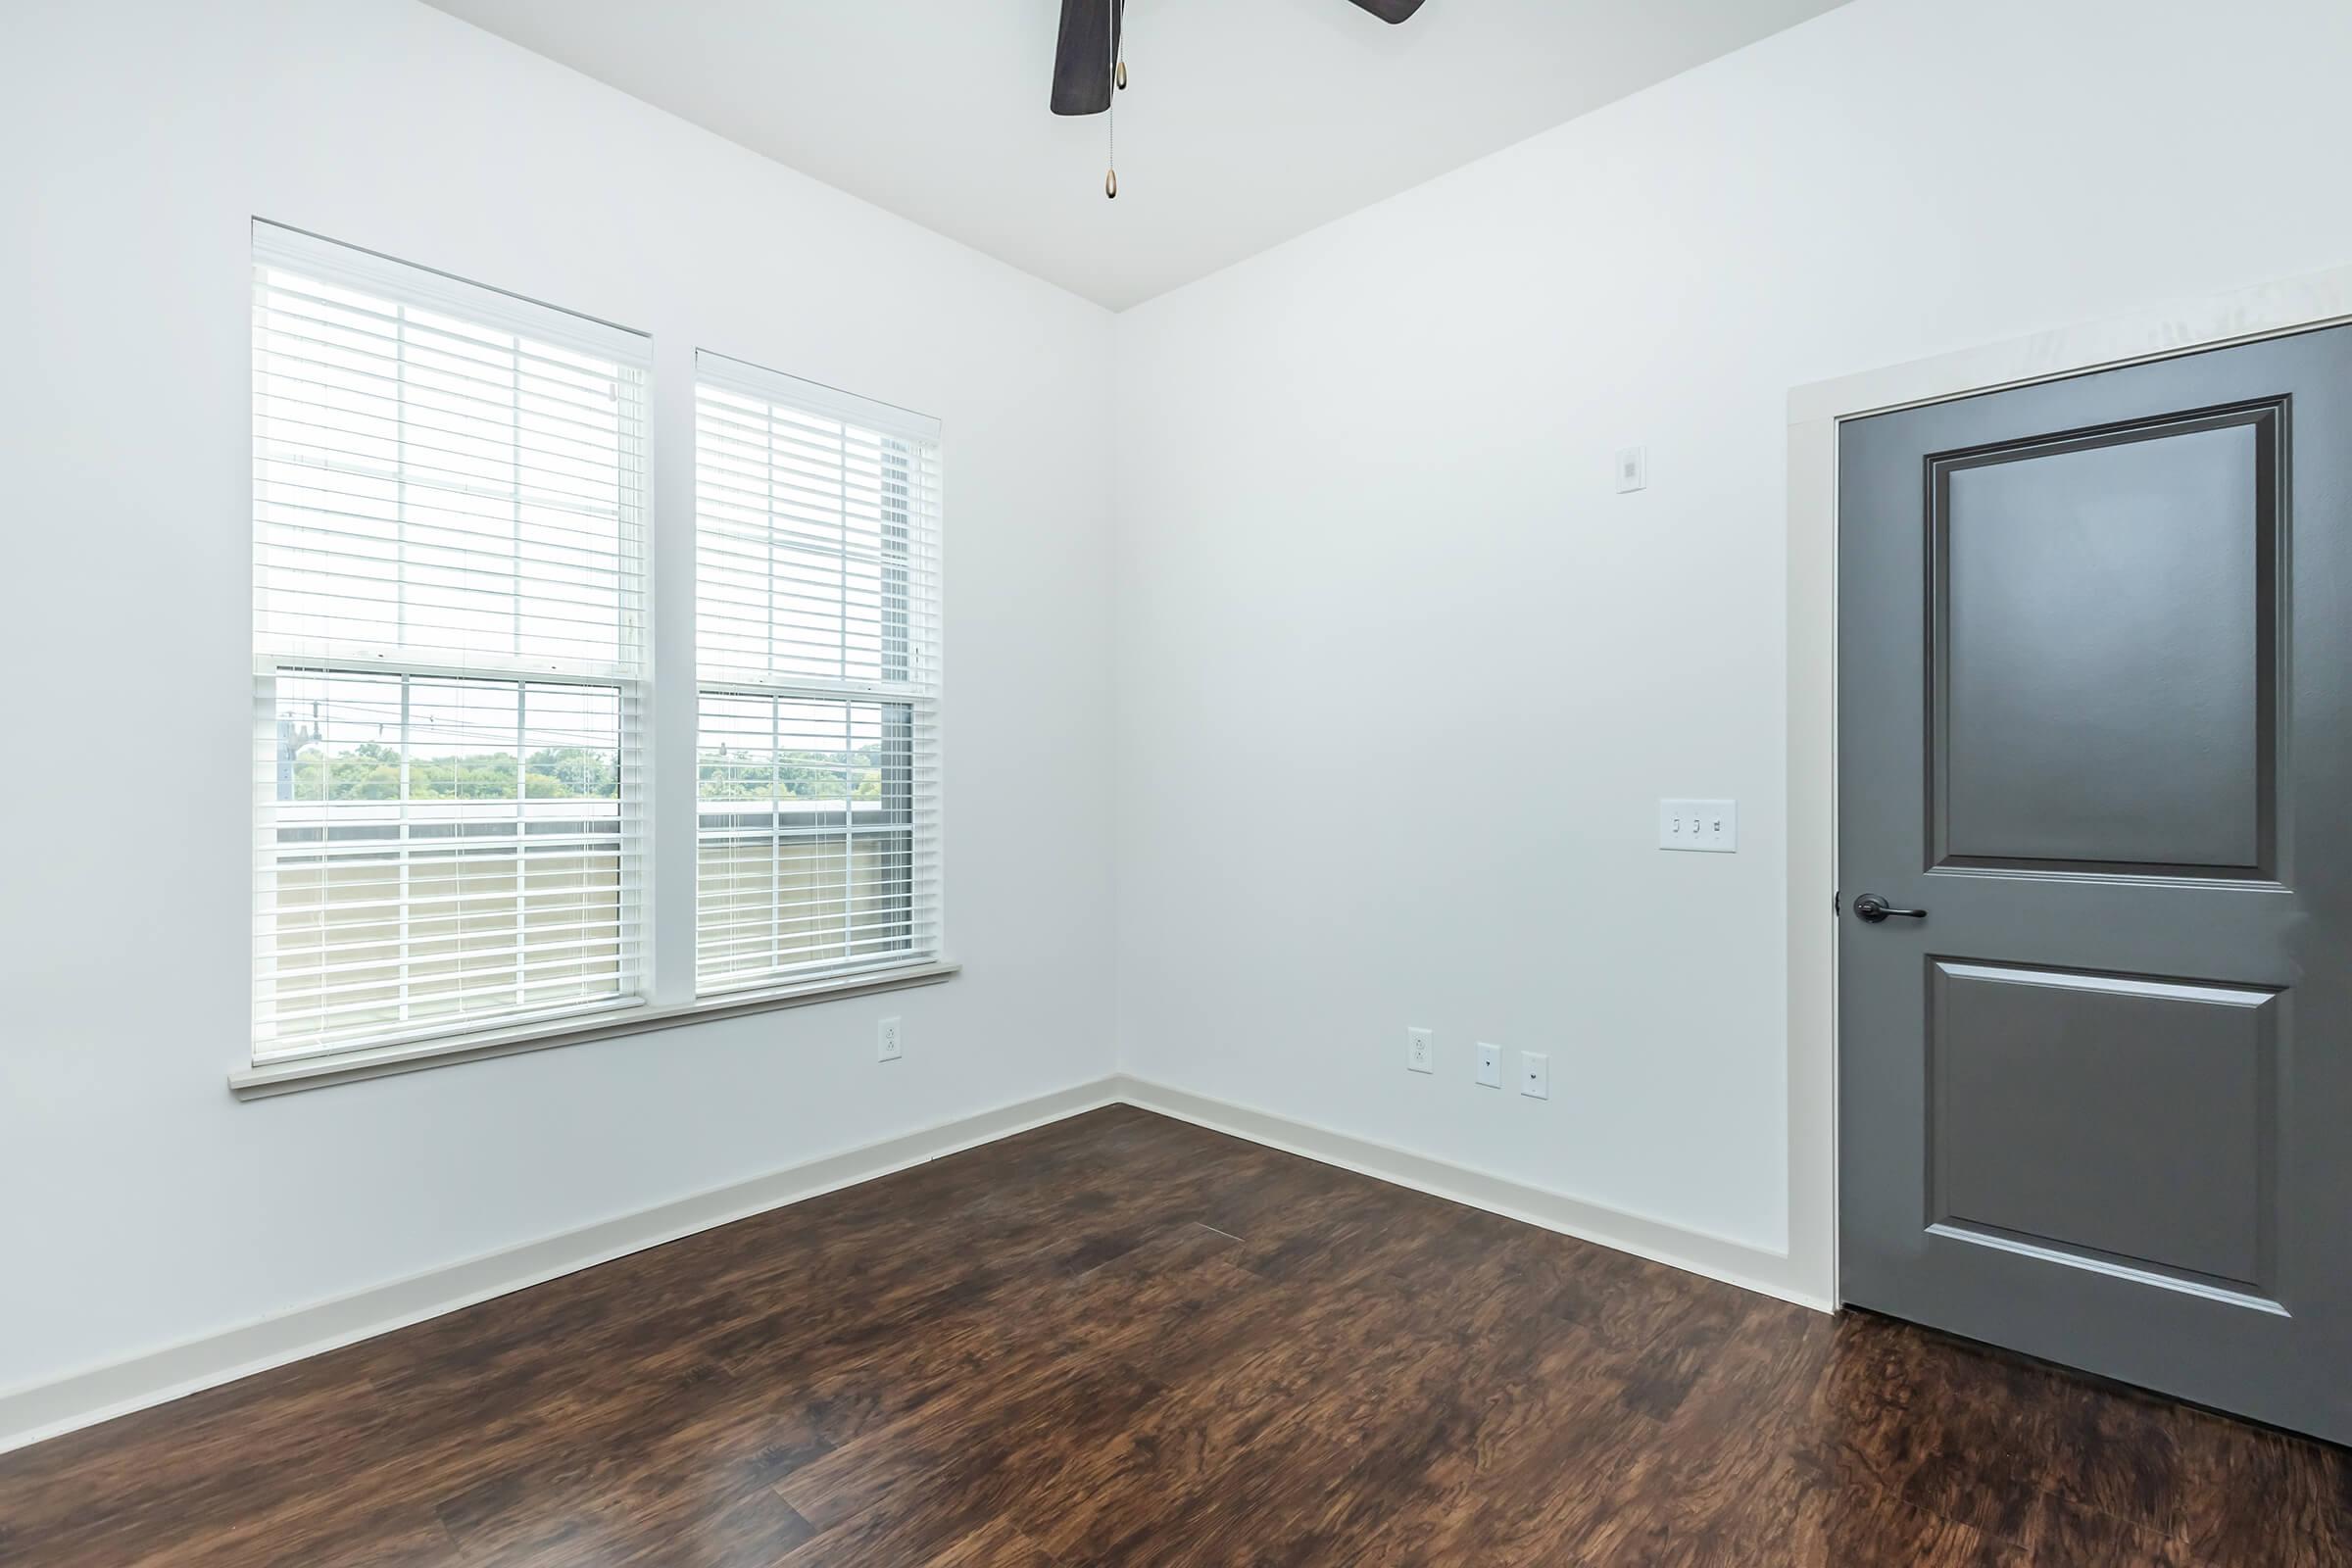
<point x="1121" y="1339"/>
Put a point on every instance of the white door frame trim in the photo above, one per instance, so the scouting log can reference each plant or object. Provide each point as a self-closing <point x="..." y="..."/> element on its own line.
<point x="2269" y="310"/>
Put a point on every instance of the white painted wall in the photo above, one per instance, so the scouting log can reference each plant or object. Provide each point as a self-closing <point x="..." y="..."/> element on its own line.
<point x="139" y="1205"/>
<point x="1400" y="678"/>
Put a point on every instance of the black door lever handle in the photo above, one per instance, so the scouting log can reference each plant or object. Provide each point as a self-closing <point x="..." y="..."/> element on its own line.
<point x="1873" y="908"/>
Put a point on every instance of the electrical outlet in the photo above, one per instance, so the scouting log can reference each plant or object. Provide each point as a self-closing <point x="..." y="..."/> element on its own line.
<point x="1534" y="1075"/>
<point x="1420" y="1052"/>
<point x="1490" y="1065"/>
<point x="888" y="1044"/>
<point x="1711" y="826"/>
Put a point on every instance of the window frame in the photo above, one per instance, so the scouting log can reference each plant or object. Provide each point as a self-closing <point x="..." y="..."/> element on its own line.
<point x="908" y="678"/>
<point x="660" y="983"/>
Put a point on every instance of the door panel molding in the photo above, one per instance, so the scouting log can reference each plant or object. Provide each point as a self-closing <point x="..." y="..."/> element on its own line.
<point x="2089" y="1043"/>
<point x="2112" y="1268"/>
<point x="2215" y="803"/>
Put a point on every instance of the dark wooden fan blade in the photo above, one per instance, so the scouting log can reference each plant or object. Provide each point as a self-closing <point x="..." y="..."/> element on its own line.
<point x="1391" y="11"/>
<point x="1082" y="58"/>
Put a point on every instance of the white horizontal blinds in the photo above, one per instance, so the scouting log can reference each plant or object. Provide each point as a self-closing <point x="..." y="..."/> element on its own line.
<point x="817" y="528"/>
<point x="449" y="514"/>
<point x="818" y="650"/>
<point x="442" y="852"/>
<point x="433" y="483"/>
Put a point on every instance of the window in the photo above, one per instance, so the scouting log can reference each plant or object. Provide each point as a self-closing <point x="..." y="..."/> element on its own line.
<point x="451" y="605"/>
<point x="817" y="598"/>
<point x="450" y="508"/>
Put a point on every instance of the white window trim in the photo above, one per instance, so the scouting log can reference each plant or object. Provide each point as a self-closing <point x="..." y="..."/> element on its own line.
<point x="661" y="683"/>
<point x="603" y="1022"/>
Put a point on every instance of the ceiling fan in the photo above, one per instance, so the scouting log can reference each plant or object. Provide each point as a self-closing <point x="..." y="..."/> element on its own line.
<point x="1088" y="67"/>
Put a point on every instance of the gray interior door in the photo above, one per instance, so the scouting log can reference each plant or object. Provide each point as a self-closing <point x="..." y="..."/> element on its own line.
<point x="2095" y="755"/>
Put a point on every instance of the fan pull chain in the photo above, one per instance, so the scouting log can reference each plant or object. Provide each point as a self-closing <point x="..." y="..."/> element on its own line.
<point x="1110" y="179"/>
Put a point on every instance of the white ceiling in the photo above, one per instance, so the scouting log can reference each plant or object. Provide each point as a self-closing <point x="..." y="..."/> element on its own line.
<point x="1246" y="122"/>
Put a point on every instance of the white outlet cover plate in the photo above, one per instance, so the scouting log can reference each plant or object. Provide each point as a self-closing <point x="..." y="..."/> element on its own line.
<point x="1534" y="1075"/>
<point x="1490" y="1065"/>
<point x="1420" y="1050"/>
<point x="890" y="1042"/>
<point x="1709" y="827"/>
<point x="1633" y="469"/>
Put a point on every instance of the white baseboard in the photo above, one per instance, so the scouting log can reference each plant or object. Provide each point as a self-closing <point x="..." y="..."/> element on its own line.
<point x="83" y="1398"/>
<point x="1693" y="1251"/>
<point x="99" y="1394"/>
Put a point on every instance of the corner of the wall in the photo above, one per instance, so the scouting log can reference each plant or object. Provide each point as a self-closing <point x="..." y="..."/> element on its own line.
<point x="1733" y="1262"/>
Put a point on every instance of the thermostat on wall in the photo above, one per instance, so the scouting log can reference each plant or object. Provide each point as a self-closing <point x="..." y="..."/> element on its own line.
<point x="1633" y="468"/>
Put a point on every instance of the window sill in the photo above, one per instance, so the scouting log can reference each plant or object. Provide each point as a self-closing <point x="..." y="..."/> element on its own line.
<point x="385" y="1062"/>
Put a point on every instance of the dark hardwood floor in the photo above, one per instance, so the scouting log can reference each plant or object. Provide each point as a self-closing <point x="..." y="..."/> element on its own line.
<point x="1123" y="1340"/>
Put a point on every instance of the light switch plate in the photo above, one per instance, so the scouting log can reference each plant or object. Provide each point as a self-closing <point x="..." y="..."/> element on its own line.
<point x="1709" y="826"/>
<point x="1633" y="469"/>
